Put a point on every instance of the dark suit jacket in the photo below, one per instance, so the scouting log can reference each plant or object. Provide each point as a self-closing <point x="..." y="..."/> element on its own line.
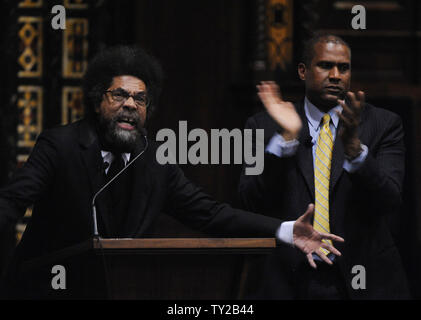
<point x="65" y="170"/>
<point x="360" y="204"/>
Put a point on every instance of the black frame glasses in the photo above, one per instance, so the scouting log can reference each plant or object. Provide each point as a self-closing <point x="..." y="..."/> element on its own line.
<point x="120" y="96"/>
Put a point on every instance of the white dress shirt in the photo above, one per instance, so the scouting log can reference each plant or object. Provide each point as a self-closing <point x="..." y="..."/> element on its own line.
<point x="108" y="157"/>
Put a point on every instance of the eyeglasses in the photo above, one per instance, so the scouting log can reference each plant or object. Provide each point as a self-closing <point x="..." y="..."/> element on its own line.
<point x="120" y="96"/>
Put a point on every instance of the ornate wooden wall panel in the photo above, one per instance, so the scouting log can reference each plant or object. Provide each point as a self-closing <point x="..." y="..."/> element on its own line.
<point x="30" y="47"/>
<point x="30" y="4"/>
<point x="74" y="61"/>
<point x="48" y="90"/>
<point x="279" y="17"/>
<point x="75" y="48"/>
<point x="30" y="101"/>
<point x="76" y="4"/>
<point x="72" y="104"/>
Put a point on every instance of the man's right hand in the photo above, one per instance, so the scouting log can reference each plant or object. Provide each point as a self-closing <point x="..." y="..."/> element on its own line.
<point x="283" y="112"/>
<point x="309" y="241"/>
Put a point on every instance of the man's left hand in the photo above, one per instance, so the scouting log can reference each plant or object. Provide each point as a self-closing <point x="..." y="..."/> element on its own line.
<point x="351" y="118"/>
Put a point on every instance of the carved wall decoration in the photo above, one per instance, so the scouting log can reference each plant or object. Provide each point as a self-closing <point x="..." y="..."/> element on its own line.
<point x="29" y="103"/>
<point x="43" y="80"/>
<point x="280" y="33"/>
<point x="72" y="104"/>
<point x="76" y="4"/>
<point x="75" y="48"/>
<point x="30" y="47"/>
<point x="30" y="4"/>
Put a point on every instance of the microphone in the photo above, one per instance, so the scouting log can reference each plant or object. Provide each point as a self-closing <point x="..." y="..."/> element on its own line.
<point x="105" y="166"/>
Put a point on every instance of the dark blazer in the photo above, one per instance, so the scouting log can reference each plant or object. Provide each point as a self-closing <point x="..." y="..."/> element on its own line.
<point x="65" y="170"/>
<point x="361" y="204"/>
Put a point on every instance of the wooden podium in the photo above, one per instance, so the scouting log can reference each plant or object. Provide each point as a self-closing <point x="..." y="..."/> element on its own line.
<point x="170" y="268"/>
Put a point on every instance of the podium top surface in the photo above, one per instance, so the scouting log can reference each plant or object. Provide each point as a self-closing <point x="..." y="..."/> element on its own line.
<point x="185" y="243"/>
<point x="158" y="245"/>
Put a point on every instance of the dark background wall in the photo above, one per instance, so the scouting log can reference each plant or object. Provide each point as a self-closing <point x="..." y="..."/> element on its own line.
<point x="210" y="51"/>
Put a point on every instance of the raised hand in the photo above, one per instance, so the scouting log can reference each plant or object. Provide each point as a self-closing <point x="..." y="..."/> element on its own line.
<point x="351" y="117"/>
<point x="309" y="240"/>
<point x="283" y="112"/>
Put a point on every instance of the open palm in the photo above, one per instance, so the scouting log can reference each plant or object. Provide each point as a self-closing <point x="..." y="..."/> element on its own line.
<point x="283" y="112"/>
<point x="309" y="241"/>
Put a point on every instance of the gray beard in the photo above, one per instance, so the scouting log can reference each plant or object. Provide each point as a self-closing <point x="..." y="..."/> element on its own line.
<point x="127" y="139"/>
<point x="117" y="139"/>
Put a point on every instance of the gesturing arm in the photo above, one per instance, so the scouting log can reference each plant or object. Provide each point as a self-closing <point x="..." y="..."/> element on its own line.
<point x="195" y="208"/>
<point x="29" y="182"/>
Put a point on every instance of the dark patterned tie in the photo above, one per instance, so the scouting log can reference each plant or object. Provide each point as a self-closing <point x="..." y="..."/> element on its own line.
<point x="119" y="196"/>
<point x="116" y="166"/>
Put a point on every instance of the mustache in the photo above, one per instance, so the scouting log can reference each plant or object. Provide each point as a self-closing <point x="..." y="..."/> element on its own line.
<point x="125" y="115"/>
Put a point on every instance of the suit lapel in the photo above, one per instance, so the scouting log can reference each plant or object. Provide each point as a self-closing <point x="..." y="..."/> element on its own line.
<point x="304" y="152"/>
<point x="338" y="158"/>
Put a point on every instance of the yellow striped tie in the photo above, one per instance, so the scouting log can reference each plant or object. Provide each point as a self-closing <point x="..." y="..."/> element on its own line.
<point x="321" y="179"/>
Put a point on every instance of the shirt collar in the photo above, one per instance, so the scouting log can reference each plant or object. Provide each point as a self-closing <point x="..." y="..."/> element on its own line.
<point x="314" y="115"/>
<point x="107" y="156"/>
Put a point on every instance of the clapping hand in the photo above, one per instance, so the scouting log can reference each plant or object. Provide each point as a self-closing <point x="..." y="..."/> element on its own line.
<point x="283" y="112"/>
<point x="351" y="118"/>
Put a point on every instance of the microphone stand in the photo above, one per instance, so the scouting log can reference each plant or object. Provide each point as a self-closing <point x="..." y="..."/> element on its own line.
<point x="94" y="214"/>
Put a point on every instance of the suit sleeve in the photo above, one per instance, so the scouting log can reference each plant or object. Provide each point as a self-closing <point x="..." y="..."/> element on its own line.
<point x="254" y="190"/>
<point x="189" y="204"/>
<point x="29" y="182"/>
<point x="382" y="172"/>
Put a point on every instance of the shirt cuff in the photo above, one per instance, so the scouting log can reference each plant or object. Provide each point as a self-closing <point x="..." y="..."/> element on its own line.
<point x="281" y="148"/>
<point x="354" y="164"/>
<point x="285" y="232"/>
